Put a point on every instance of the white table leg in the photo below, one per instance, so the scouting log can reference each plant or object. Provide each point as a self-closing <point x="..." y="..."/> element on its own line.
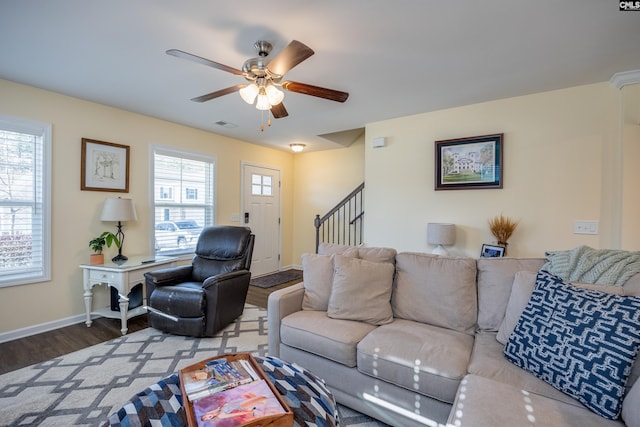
<point x="88" y="296"/>
<point x="124" y="307"/>
<point x="88" y="300"/>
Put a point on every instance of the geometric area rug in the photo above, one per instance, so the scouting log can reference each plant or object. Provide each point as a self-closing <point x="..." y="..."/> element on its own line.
<point x="83" y="388"/>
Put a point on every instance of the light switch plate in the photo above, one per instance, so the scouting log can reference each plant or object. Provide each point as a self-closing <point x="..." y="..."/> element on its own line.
<point x="585" y="227"/>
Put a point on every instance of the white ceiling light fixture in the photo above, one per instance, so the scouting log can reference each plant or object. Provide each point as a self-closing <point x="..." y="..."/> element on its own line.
<point x="296" y="148"/>
<point x="249" y="93"/>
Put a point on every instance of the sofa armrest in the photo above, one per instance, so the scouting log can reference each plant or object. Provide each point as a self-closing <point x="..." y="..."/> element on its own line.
<point x="280" y="304"/>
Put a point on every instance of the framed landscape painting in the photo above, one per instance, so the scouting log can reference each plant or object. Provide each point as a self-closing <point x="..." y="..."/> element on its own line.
<point x="469" y="163"/>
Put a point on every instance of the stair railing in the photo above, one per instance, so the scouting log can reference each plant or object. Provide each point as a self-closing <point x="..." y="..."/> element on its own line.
<point x="343" y="224"/>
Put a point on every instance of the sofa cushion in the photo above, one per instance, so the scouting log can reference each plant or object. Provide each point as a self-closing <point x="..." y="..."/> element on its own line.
<point x="376" y="254"/>
<point x="495" y="277"/>
<point x="483" y="402"/>
<point x="429" y="359"/>
<point x="334" y="248"/>
<point x="333" y="339"/>
<point x="437" y="290"/>
<point x="317" y="271"/>
<point x="631" y="406"/>
<point x="487" y="360"/>
<point x="361" y="291"/>
<point x="523" y="285"/>
<point x="581" y="341"/>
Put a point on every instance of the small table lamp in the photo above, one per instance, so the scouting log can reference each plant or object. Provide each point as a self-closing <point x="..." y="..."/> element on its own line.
<point x="119" y="209"/>
<point x="440" y="234"/>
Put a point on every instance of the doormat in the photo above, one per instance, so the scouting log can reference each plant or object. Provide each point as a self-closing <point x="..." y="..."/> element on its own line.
<point x="276" y="279"/>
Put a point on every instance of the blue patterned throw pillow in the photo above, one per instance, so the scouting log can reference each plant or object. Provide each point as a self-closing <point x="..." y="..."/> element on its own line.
<point x="582" y="342"/>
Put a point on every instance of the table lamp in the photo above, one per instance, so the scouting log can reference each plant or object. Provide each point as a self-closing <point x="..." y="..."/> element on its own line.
<point x="441" y="234"/>
<point x="119" y="209"/>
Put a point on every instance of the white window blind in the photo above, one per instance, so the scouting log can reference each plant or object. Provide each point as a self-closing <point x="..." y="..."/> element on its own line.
<point x="25" y="188"/>
<point x="183" y="198"/>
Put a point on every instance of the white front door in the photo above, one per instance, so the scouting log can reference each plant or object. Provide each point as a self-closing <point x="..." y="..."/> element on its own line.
<point x="261" y="212"/>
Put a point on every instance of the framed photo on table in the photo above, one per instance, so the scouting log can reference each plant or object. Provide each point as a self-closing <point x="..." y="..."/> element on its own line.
<point x="469" y="163"/>
<point x="492" y="251"/>
<point x="104" y="166"/>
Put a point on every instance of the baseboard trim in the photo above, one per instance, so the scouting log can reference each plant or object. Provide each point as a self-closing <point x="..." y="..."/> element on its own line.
<point x="42" y="327"/>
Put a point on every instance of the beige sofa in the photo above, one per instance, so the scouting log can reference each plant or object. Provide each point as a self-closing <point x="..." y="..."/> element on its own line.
<point x="412" y="339"/>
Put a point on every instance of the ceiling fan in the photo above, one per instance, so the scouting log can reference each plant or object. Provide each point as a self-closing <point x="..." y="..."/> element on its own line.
<point x="265" y="76"/>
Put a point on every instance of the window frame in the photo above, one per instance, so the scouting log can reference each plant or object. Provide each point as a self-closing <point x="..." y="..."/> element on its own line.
<point x="183" y="154"/>
<point x="41" y="130"/>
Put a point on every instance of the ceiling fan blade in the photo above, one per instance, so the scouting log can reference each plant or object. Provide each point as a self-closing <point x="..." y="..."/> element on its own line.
<point x="184" y="55"/>
<point x="320" y="92"/>
<point x="289" y="57"/>
<point x="278" y="111"/>
<point x="218" y="93"/>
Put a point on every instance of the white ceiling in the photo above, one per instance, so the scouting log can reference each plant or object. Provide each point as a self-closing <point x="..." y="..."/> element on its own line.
<point x="395" y="58"/>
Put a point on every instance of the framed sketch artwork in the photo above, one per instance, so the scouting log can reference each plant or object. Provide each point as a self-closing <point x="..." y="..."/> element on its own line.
<point x="469" y="163"/>
<point x="104" y="167"/>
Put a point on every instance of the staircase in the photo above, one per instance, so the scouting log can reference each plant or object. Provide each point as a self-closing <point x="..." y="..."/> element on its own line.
<point x="343" y="224"/>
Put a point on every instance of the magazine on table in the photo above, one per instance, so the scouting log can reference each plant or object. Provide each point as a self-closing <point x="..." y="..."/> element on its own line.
<point x="237" y="406"/>
<point x="216" y="376"/>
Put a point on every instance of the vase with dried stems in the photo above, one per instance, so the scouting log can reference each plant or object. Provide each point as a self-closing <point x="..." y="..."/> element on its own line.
<point x="502" y="227"/>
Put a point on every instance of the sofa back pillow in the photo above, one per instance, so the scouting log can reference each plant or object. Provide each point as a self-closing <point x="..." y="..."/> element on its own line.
<point x="375" y="254"/>
<point x="523" y="285"/>
<point x="581" y="341"/>
<point x="436" y="290"/>
<point x="495" y="277"/>
<point x="334" y="249"/>
<point x="361" y="291"/>
<point x="317" y="273"/>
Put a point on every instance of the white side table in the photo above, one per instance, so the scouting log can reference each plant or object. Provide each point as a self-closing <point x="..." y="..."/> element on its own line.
<point x="123" y="277"/>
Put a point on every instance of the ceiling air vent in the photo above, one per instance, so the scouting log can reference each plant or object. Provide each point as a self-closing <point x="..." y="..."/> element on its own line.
<point x="224" y="124"/>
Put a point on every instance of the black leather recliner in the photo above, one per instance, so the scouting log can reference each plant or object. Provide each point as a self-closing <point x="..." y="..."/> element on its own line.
<point x="200" y="299"/>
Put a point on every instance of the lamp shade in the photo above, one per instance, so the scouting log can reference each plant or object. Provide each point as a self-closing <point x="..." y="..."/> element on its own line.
<point x="274" y="94"/>
<point x="118" y="209"/>
<point x="441" y="233"/>
<point x="249" y="93"/>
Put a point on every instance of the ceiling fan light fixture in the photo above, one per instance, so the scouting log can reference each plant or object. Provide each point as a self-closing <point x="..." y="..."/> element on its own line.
<point x="297" y="147"/>
<point x="263" y="101"/>
<point x="274" y="94"/>
<point x="249" y="93"/>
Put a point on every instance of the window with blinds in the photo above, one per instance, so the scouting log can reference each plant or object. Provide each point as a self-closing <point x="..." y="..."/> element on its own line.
<point x="25" y="207"/>
<point x="183" y="199"/>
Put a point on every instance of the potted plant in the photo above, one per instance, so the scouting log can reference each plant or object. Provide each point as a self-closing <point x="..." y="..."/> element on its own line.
<point x="107" y="239"/>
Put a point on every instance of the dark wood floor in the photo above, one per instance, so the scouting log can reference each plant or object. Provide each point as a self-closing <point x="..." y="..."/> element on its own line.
<point x="38" y="348"/>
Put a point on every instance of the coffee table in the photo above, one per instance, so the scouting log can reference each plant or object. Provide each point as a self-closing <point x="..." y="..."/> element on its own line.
<point x="305" y="394"/>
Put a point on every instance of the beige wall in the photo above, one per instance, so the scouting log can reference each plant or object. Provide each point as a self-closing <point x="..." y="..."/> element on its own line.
<point x="321" y="180"/>
<point x="569" y="154"/>
<point x="75" y="217"/>
<point x="630" y="219"/>
<point x="562" y="162"/>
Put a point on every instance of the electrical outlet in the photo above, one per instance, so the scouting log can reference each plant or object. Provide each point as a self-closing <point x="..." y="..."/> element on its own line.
<point x="585" y="227"/>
